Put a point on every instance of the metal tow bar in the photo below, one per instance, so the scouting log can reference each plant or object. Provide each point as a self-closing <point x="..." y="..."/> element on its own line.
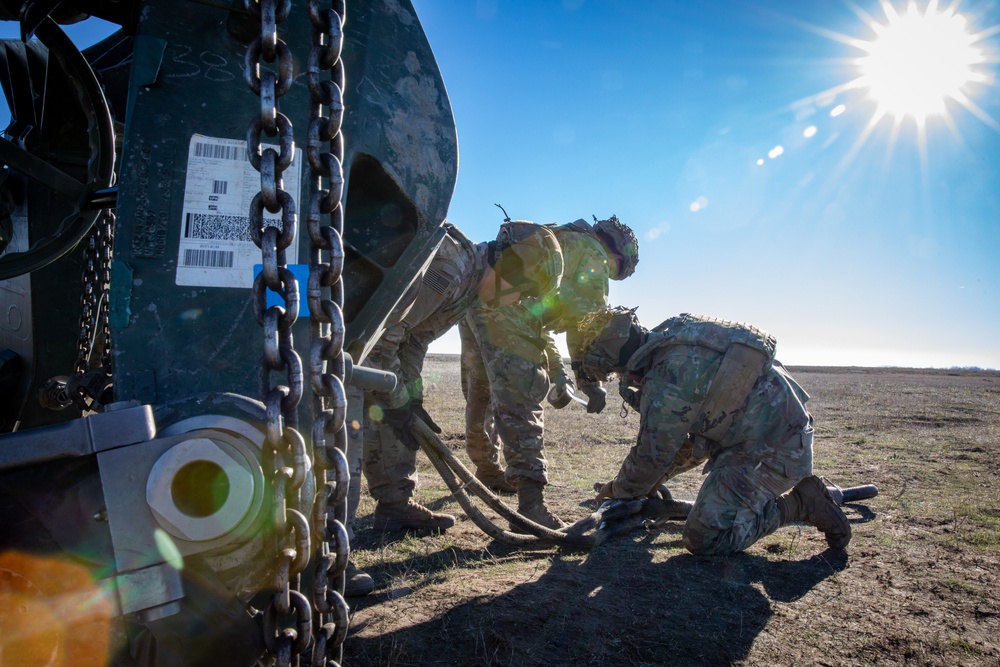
<point x="586" y="533"/>
<point x="613" y="517"/>
<point x="618" y="516"/>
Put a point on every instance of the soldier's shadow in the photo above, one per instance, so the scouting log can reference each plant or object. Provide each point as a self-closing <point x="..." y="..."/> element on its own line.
<point x="685" y="610"/>
<point x="618" y="604"/>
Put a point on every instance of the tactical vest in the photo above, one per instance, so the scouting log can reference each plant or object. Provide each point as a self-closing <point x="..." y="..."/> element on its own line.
<point x="580" y="225"/>
<point x="458" y="261"/>
<point x="747" y="353"/>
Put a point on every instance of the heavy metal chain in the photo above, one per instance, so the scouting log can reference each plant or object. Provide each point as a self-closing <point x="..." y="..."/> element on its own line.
<point x="288" y="615"/>
<point x="325" y="223"/>
<point x="87" y="389"/>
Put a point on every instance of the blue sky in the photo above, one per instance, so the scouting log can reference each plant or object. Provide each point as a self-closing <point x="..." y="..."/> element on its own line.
<point x="759" y="191"/>
<point x="853" y="246"/>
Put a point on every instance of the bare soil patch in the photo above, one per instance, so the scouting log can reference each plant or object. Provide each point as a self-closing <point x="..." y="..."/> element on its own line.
<point x="917" y="586"/>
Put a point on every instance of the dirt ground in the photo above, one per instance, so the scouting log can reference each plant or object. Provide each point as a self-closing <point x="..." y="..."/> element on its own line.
<point x="917" y="586"/>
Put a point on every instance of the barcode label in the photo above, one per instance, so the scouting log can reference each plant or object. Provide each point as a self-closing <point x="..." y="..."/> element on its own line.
<point x="214" y="259"/>
<point x="218" y="227"/>
<point x="215" y="248"/>
<point x="219" y="151"/>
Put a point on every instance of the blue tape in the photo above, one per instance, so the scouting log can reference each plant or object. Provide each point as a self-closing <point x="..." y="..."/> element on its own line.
<point x="301" y="273"/>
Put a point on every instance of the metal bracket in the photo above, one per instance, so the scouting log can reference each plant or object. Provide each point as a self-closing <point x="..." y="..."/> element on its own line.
<point x="79" y="437"/>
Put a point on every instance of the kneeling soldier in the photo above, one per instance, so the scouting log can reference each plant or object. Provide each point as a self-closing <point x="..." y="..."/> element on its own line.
<point x="711" y="390"/>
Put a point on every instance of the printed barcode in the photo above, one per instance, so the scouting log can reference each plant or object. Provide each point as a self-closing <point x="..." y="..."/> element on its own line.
<point x="217" y="227"/>
<point x="219" y="151"/>
<point x="219" y="187"/>
<point x="216" y="259"/>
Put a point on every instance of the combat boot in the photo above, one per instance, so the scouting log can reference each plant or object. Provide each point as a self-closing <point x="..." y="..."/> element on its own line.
<point x="810" y="502"/>
<point x="531" y="505"/>
<point x="493" y="479"/>
<point x="408" y="515"/>
<point x="357" y="582"/>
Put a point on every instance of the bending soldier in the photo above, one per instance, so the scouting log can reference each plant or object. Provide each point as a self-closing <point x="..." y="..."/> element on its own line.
<point x="524" y="260"/>
<point x="509" y="357"/>
<point x="709" y="390"/>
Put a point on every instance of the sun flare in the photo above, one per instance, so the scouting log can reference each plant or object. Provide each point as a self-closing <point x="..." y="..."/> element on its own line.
<point x="922" y="65"/>
<point x="918" y="60"/>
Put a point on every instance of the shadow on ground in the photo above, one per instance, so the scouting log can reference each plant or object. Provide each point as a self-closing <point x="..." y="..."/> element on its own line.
<point x="614" y="606"/>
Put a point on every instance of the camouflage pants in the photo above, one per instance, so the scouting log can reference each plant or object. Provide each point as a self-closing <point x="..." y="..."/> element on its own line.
<point x="736" y="504"/>
<point x="504" y="377"/>
<point x="390" y="467"/>
<point x="355" y="453"/>
<point x="480" y="434"/>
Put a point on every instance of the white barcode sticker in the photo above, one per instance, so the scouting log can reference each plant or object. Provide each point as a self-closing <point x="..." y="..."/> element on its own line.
<point x="215" y="246"/>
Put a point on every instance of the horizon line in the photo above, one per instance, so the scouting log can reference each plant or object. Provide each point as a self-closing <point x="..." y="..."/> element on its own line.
<point x="801" y="365"/>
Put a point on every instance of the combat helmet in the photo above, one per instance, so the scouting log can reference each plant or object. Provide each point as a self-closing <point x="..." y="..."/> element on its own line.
<point x="608" y="337"/>
<point x="528" y="257"/>
<point x="620" y="239"/>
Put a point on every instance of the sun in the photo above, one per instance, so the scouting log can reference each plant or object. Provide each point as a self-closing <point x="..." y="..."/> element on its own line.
<point x="921" y="66"/>
<point x="918" y="61"/>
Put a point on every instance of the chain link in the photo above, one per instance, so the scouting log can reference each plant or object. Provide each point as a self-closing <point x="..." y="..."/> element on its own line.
<point x="288" y="615"/>
<point x="88" y="389"/>
<point x="325" y="294"/>
<point x="291" y="624"/>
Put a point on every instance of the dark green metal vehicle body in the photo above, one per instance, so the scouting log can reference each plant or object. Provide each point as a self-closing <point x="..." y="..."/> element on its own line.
<point x="187" y="348"/>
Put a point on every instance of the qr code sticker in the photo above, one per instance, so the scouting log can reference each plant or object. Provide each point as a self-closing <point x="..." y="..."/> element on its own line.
<point x="217" y="227"/>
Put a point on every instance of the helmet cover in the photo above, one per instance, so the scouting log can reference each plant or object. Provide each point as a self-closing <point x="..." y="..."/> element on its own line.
<point x="528" y="257"/>
<point x="603" y="336"/>
<point x="619" y="239"/>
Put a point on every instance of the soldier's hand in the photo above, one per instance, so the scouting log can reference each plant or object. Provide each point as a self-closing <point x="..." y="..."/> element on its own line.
<point x="631" y="396"/>
<point x="597" y="398"/>
<point x="417" y="407"/>
<point x="400" y="420"/>
<point x="559" y="395"/>
<point x="603" y="491"/>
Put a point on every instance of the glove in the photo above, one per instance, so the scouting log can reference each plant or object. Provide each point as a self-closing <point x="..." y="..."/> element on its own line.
<point x="417" y="407"/>
<point x="603" y="491"/>
<point x="597" y="398"/>
<point x="631" y="397"/>
<point x="400" y="420"/>
<point x="558" y="396"/>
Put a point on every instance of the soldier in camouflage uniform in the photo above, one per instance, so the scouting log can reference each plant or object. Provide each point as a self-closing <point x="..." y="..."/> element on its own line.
<point x="709" y="390"/>
<point x="524" y="260"/>
<point x="509" y="358"/>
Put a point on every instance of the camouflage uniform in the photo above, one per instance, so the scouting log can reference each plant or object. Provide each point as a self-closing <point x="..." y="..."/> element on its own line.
<point x="431" y="307"/>
<point x="766" y="450"/>
<point x="509" y="355"/>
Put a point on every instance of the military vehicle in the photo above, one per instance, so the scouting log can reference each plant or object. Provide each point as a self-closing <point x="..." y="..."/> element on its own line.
<point x="205" y="219"/>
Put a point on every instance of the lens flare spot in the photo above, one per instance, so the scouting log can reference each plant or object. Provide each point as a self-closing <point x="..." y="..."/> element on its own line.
<point x="168" y="549"/>
<point x="53" y="612"/>
<point x="810" y="132"/>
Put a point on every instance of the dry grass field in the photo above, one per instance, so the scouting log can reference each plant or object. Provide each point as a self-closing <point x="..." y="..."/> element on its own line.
<point x="917" y="586"/>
